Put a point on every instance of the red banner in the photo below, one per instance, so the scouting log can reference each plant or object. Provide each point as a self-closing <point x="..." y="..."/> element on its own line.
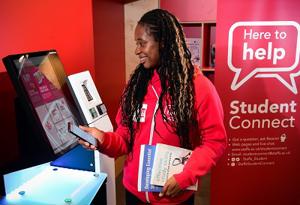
<point x="258" y="78"/>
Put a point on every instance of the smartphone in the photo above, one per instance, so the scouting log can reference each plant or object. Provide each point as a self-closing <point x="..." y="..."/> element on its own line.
<point x="82" y="134"/>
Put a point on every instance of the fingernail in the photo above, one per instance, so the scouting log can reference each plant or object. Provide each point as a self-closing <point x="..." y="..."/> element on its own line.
<point x="161" y="194"/>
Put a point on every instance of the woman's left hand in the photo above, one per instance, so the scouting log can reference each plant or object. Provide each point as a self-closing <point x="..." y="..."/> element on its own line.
<point x="171" y="188"/>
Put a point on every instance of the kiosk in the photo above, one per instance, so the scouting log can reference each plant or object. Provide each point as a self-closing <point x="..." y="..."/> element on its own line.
<point x="53" y="168"/>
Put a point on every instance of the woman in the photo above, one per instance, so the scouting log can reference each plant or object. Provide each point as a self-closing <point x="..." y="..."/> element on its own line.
<point x="167" y="100"/>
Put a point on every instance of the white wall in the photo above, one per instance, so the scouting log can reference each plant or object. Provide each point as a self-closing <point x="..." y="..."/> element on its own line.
<point x="133" y="12"/>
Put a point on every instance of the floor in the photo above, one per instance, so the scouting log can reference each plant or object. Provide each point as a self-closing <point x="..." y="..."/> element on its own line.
<point x="201" y="196"/>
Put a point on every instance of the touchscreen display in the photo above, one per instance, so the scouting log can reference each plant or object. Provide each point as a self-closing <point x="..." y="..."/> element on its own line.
<point x="42" y="78"/>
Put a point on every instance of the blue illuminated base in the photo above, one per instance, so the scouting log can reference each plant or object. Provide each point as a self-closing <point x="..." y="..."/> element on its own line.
<point x="46" y="184"/>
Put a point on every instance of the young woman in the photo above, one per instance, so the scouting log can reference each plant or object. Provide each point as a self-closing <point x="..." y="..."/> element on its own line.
<point x="167" y="100"/>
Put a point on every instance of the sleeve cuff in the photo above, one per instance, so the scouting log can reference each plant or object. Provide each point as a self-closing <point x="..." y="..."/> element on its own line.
<point x="184" y="180"/>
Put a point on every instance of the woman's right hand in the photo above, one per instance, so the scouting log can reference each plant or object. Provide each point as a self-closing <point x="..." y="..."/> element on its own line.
<point x="98" y="134"/>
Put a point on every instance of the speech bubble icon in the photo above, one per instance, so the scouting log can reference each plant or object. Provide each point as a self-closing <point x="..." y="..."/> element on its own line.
<point x="264" y="49"/>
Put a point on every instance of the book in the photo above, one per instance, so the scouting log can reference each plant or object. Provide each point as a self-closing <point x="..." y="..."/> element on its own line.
<point x="168" y="160"/>
<point x="158" y="163"/>
<point x="146" y="162"/>
<point x="194" y="45"/>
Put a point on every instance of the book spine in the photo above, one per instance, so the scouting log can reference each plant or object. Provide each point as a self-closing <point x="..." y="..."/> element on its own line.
<point x="145" y="169"/>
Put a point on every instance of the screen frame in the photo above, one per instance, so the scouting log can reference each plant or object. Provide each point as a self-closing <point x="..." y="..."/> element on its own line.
<point x="41" y="149"/>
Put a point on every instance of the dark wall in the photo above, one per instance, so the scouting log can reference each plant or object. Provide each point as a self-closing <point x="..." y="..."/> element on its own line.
<point x="109" y="39"/>
<point x="8" y="134"/>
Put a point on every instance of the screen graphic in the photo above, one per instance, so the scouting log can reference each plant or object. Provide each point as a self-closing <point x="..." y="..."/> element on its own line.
<point x="42" y="85"/>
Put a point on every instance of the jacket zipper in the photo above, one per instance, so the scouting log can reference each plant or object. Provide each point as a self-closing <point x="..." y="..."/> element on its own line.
<point x="152" y="130"/>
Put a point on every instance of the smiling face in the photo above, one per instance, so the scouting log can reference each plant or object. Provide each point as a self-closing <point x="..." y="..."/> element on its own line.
<point x="147" y="49"/>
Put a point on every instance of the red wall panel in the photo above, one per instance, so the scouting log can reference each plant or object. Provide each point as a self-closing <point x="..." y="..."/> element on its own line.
<point x="191" y="10"/>
<point x="34" y="25"/>
<point x="51" y="24"/>
<point x="109" y="41"/>
<point x="66" y="26"/>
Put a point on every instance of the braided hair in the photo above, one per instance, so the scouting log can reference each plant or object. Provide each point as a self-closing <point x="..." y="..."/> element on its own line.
<point x="175" y="71"/>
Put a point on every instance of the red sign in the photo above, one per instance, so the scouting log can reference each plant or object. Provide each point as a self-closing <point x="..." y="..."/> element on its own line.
<point x="258" y="79"/>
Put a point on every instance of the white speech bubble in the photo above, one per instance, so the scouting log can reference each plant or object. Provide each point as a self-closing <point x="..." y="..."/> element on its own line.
<point x="265" y="72"/>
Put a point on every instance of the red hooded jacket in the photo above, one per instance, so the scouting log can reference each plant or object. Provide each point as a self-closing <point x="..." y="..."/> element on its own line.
<point x="204" y="155"/>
